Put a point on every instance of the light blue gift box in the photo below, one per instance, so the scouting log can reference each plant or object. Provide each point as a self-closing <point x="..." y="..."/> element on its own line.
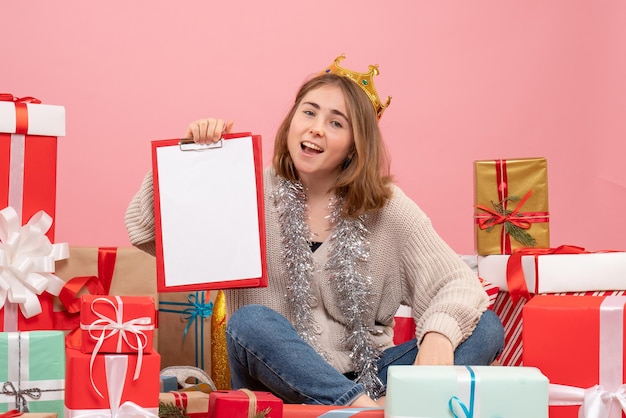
<point x="32" y="371"/>
<point x="466" y="392"/>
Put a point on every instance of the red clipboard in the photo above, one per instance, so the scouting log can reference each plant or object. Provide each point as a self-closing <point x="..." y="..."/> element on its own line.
<point x="209" y="214"/>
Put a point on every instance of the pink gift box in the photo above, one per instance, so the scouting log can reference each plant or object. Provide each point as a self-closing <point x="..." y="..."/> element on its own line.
<point x="104" y="384"/>
<point x="117" y="324"/>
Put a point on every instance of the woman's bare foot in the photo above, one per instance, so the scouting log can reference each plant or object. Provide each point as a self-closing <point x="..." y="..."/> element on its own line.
<point x="381" y="401"/>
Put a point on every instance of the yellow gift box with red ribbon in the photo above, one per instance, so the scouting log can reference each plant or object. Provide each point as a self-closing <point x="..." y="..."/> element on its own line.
<point x="511" y="205"/>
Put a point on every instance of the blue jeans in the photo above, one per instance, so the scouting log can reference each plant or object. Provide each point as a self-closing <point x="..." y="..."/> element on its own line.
<point x="266" y="353"/>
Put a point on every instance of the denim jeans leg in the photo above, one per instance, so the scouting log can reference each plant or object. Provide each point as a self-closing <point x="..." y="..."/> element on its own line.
<point x="266" y="353"/>
<point x="480" y="348"/>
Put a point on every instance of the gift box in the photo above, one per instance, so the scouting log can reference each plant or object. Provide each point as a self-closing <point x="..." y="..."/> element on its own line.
<point x="27" y="272"/>
<point x="104" y="385"/>
<point x="28" y="155"/>
<point x="511" y="205"/>
<point x="547" y="270"/>
<point x="102" y="271"/>
<point x="244" y="403"/>
<point x="196" y="404"/>
<point x="330" y="411"/>
<point x="468" y="391"/>
<point x="117" y="324"/>
<point x="186" y="318"/>
<point x="578" y="343"/>
<point x="32" y="370"/>
<point x="557" y="272"/>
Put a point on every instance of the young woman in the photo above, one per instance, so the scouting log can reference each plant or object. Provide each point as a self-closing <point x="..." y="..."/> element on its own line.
<point x="345" y="248"/>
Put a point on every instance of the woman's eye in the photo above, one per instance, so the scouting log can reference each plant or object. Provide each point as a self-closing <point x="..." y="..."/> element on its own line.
<point x="308" y="112"/>
<point x="337" y="124"/>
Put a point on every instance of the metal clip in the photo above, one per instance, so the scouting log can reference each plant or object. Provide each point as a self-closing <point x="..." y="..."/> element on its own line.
<point x="188" y="144"/>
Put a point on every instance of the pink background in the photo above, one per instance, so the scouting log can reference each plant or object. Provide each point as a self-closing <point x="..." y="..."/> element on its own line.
<point x="469" y="79"/>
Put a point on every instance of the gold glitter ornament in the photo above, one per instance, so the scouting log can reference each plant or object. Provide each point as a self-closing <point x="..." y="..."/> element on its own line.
<point x="220" y="370"/>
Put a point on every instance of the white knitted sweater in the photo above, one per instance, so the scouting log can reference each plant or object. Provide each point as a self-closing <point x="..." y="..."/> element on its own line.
<point x="409" y="264"/>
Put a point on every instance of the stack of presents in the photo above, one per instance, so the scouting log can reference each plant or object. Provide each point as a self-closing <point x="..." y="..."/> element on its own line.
<point x="80" y="326"/>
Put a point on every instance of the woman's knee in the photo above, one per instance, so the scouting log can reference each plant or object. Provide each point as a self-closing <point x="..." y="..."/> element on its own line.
<point x="491" y="330"/>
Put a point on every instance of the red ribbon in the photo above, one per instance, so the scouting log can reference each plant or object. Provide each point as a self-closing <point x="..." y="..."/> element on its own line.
<point x="180" y="398"/>
<point x="21" y="110"/>
<point x="515" y="278"/>
<point x="496" y="218"/>
<point x="11" y="413"/>
<point x="95" y="285"/>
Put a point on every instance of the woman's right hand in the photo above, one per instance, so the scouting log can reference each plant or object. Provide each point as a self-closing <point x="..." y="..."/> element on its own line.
<point x="208" y="131"/>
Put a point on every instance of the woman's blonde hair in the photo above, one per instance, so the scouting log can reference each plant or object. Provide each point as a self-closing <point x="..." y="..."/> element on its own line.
<point x="364" y="178"/>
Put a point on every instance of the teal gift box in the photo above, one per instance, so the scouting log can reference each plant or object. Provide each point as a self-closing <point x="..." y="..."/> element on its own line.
<point x="466" y="391"/>
<point x="32" y="371"/>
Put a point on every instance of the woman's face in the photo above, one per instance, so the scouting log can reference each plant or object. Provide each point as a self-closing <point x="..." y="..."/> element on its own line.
<point x="320" y="133"/>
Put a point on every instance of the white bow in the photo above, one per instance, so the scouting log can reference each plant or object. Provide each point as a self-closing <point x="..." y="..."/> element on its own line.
<point x="27" y="261"/>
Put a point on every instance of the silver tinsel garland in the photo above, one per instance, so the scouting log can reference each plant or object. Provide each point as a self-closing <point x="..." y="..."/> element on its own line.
<point x="349" y="249"/>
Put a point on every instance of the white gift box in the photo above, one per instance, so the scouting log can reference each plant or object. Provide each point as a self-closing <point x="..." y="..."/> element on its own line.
<point x="556" y="273"/>
<point x="43" y="119"/>
<point x="472" y="391"/>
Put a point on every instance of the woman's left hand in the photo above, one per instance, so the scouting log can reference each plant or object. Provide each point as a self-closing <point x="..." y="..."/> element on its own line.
<point x="435" y="350"/>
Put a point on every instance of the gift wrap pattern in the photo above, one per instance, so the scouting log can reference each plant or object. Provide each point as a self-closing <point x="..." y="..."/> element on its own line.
<point x="466" y="391"/>
<point x="32" y="371"/>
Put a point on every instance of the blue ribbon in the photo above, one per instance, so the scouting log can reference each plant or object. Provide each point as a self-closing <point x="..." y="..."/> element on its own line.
<point x="467" y="412"/>
<point x="195" y="308"/>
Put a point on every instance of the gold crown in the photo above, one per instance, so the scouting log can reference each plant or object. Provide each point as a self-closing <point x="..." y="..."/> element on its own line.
<point x="363" y="80"/>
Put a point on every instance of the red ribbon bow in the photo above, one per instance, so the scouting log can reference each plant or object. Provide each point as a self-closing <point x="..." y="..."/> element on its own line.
<point x="70" y="294"/>
<point x="515" y="217"/>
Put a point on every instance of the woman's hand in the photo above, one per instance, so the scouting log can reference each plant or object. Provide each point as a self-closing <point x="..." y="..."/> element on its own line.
<point x="435" y="350"/>
<point x="208" y="131"/>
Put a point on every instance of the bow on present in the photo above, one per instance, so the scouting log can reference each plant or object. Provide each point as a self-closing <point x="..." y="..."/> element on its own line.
<point x="27" y="261"/>
<point x="457" y="407"/>
<point x="69" y="319"/>
<point x="21" y="111"/>
<point x="596" y="401"/>
<point x="196" y="310"/>
<point x="109" y="327"/>
<point x="116" y="367"/>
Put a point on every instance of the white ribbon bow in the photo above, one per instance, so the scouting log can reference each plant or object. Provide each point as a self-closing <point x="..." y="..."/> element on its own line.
<point x="596" y="401"/>
<point x="111" y="326"/>
<point x="27" y="261"/>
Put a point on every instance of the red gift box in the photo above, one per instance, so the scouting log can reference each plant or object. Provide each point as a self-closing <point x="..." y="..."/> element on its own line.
<point x="578" y="343"/>
<point x="238" y="404"/>
<point x="330" y="411"/>
<point x="117" y="324"/>
<point x="28" y="155"/>
<point x="105" y="384"/>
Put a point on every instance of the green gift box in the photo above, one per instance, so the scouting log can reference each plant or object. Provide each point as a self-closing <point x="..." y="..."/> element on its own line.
<point x="32" y="371"/>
